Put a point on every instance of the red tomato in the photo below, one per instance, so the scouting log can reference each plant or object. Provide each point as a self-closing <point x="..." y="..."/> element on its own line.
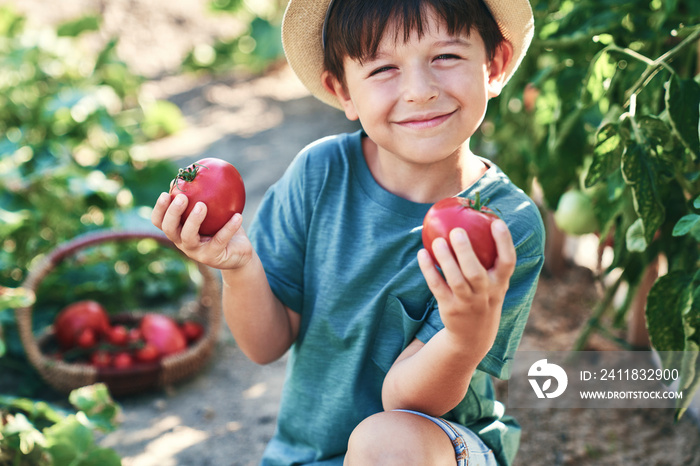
<point x="122" y="360"/>
<point x="135" y="335"/>
<point x="75" y="318"/>
<point x="163" y="333"/>
<point x="87" y="338"/>
<point x="458" y="212"/>
<point x="101" y="359"/>
<point x="148" y="353"/>
<point x="118" y="335"/>
<point x="193" y="331"/>
<point x="215" y="182"/>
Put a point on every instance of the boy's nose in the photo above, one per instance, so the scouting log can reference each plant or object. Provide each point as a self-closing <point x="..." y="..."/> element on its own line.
<point x="420" y="86"/>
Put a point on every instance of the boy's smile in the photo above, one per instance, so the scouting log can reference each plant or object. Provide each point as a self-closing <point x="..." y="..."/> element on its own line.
<point x="419" y="101"/>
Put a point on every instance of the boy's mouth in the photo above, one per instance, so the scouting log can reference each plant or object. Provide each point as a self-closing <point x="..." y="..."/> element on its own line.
<point x="424" y="121"/>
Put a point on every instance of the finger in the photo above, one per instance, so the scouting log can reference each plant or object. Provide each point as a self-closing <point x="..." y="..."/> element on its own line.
<point x="506" y="259"/>
<point x="469" y="264"/>
<point x="159" y="209"/>
<point x="190" y="229"/>
<point x="171" y="220"/>
<point x="230" y="228"/>
<point x="435" y="282"/>
<point x="450" y="267"/>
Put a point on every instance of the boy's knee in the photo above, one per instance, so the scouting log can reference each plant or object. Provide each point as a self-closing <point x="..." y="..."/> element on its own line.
<point x="398" y="438"/>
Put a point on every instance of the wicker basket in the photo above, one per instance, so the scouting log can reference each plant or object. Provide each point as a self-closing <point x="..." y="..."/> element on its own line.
<point x="65" y="376"/>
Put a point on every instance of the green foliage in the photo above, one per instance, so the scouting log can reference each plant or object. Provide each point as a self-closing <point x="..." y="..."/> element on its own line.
<point x="258" y="46"/>
<point x="606" y="102"/>
<point x="34" y="433"/>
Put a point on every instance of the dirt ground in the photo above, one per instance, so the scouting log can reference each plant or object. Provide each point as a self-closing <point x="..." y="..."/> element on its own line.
<point x="226" y="414"/>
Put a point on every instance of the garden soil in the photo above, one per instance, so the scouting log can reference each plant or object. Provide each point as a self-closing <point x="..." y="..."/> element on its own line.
<point x="225" y="415"/>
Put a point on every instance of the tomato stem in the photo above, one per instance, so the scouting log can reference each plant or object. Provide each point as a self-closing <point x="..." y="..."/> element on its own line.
<point x="188" y="174"/>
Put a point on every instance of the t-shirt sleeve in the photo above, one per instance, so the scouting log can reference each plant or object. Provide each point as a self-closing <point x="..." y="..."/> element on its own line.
<point x="278" y="235"/>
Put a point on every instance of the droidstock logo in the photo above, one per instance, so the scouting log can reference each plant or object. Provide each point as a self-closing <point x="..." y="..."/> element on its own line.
<point x="543" y="370"/>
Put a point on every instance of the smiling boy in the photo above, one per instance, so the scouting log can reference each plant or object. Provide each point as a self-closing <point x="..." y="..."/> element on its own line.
<point x="391" y="358"/>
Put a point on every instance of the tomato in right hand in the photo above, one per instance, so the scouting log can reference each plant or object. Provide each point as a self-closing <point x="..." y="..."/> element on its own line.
<point x="459" y="212"/>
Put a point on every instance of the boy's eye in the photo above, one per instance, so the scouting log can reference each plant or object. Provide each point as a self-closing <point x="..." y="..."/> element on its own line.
<point x="381" y="69"/>
<point x="447" y="56"/>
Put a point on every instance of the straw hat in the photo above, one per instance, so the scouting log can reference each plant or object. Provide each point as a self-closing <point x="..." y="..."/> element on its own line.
<point x="303" y="25"/>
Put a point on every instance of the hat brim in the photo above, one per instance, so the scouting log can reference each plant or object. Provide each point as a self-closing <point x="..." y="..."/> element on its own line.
<point x="302" y="30"/>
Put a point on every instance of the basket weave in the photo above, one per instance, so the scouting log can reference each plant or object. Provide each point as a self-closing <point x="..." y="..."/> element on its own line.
<point x="65" y="376"/>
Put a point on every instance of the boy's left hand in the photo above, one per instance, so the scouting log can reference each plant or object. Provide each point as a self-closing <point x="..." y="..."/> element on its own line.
<point x="470" y="297"/>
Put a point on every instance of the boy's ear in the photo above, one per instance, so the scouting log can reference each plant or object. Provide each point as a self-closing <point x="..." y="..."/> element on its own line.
<point x="335" y="87"/>
<point x="497" y="68"/>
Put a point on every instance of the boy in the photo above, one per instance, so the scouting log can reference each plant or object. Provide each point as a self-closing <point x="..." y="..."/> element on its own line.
<point x="391" y="357"/>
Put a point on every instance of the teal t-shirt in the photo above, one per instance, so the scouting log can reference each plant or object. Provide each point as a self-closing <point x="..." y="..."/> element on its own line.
<point x="341" y="251"/>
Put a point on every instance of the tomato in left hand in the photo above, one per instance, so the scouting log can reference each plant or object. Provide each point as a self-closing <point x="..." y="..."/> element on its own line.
<point x="218" y="185"/>
<point x="459" y="212"/>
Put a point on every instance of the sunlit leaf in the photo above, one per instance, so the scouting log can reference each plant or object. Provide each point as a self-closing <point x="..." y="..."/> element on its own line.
<point x="606" y="154"/>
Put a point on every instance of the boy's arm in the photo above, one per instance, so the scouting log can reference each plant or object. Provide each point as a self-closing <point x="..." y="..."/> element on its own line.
<point x="263" y="327"/>
<point x="434" y="377"/>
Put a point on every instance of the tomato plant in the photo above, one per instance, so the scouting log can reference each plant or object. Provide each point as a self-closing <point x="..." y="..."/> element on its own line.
<point x="458" y="212"/>
<point x="217" y="184"/>
<point x="607" y="102"/>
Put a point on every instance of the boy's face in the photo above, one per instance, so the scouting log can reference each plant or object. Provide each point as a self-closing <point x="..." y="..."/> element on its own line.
<point x="422" y="99"/>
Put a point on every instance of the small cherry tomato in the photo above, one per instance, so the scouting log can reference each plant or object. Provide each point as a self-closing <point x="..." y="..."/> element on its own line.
<point x="118" y="335"/>
<point x="135" y="335"/>
<point x="148" y="353"/>
<point x="122" y="360"/>
<point x="101" y="358"/>
<point x="193" y="331"/>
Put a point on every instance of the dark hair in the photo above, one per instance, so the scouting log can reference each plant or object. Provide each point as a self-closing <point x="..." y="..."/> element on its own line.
<point x="355" y="27"/>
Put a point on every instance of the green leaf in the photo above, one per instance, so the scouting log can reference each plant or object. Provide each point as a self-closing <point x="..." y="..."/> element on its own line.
<point x="102" y="457"/>
<point x="97" y="404"/>
<point x="683" y="104"/>
<point x="600" y="74"/>
<point x="641" y="172"/>
<point x="685" y="224"/>
<point x="606" y="154"/>
<point x="668" y="300"/>
<point x="76" y="27"/>
<point x="68" y="439"/>
<point x="634" y="237"/>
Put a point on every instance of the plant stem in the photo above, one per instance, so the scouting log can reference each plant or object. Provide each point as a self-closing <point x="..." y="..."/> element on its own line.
<point x="653" y="66"/>
<point x="598" y="312"/>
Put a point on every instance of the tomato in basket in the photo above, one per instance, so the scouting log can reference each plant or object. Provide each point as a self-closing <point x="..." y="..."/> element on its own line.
<point x="163" y="333"/>
<point x="70" y="324"/>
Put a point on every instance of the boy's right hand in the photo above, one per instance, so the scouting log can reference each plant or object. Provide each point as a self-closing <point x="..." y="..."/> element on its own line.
<point x="229" y="248"/>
